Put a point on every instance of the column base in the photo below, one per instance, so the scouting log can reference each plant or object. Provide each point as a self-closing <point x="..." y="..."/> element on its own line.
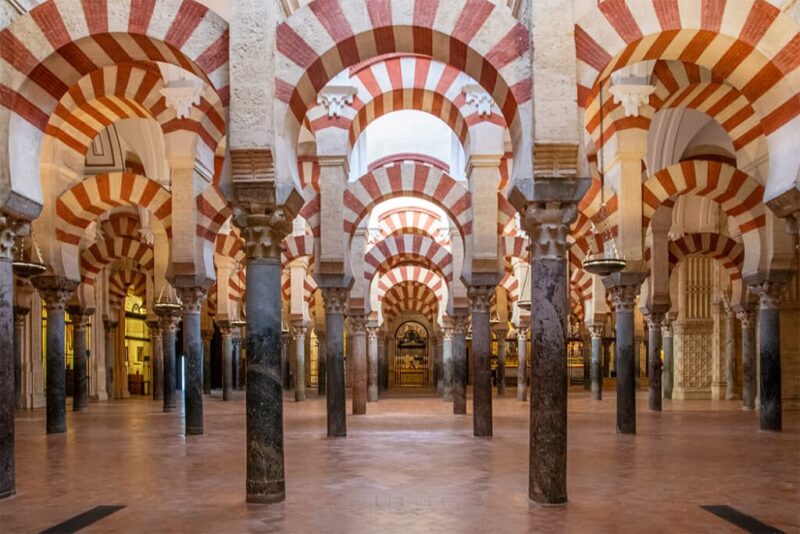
<point x="274" y="492"/>
<point x="56" y="430"/>
<point x="80" y="409"/>
<point x="548" y="504"/>
<point x="7" y="494"/>
<point x="168" y="409"/>
<point x="194" y="431"/>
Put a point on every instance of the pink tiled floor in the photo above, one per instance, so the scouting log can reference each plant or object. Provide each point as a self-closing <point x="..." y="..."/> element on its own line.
<point x="408" y="466"/>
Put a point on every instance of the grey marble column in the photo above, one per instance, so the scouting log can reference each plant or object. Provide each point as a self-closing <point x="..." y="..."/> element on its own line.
<point x="460" y="324"/>
<point x="668" y="372"/>
<point x="654" y="363"/>
<point x="769" y="292"/>
<point x="286" y="367"/>
<point x="80" y="322"/>
<point x="730" y="354"/>
<point x="596" y="371"/>
<point x="19" y="333"/>
<point x="447" y="362"/>
<point x="438" y="366"/>
<point x="522" y="364"/>
<point x="501" y="360"/>
<point x="479" y="299"/>
<point x="348" y="358"/>
<point x="747" y="317"/>
<point x="383" y="363"/>
<point x="207" y="335"/>
<point x="236" y="344"/>
<point x="623" y="288"/>
<point x="372" y="363"/>
<point x="335" y="300"/>
<point x="157" y="343"/>
<point x="299" y="334"/>
<point x="9" y="229"/>
<point x="192" y="299"/>
<point x="358" y="325"/>
<point x="169" y="320"/>
<point x="322" y="372"/>
<point x="110" y="328"/>
<point x="225" y="330"/>
<point x="55" y="291"/>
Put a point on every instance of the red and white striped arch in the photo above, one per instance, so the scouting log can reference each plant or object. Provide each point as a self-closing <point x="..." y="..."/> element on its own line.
<point x="102" y="253"/>
<point x="309" y="286"/>
<point x="750" y="44"/>
<point x="729" y="253"/>
<point x="212" y="212"/>
<point x="297" y="246"/>
<point x="479" y="37"/>
<point x="412" y="220"/>
<point x="412" y="297"/>
<point x="400" y="248"/>
<point x="418" y="181"/>
<point x="230" y="245"/>
<point x="121" y="224"/>
<point x="79" y="206"/>
<point x="47" y="50"/>
<point x="510" y="283"/>
<point x="411" y="273"/>
<point x="120" y="281"/>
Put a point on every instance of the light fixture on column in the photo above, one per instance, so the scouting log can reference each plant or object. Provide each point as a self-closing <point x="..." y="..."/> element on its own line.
<point x="27" y="260"/>
<point x="609" y="260"/>
<point x="524" y="302"/>
<point x="168" y="300"/>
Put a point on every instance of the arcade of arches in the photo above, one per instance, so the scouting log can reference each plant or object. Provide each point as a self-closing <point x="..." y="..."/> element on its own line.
<point x="342" y="211"/>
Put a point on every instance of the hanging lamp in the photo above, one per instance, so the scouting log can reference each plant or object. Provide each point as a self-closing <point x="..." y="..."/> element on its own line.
<point x="524" y="301"/>
<point x="609" y="260"/>
<point x="168" y="302"/>
<point x="27" y="260"/>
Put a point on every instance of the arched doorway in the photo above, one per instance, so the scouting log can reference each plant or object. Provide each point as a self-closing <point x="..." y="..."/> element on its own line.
<point x="412" y="361"/>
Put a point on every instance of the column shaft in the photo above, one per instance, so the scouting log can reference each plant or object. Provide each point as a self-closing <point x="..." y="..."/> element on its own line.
<point x="207" y="335"/>
<point x="335" y="299"/>
<point x="193" y="388"/>
<point x="80" y="393"/>
<point x="372" y="364"/>
<point x="522" y="365"/>
<point x="654" y="364"/>
<point x="596" y="371"/>
<point x="359" y="364"/>
<point x="157" y="343"/>
<point x="383" y="364"/>
<point x="227" y="362"/>
<point x="322" y="371"/>
<point x="169" y="327"/>
<point x="110" y="342"/>
<point x="747" y="318"/>
<point x="299" y="333"/>
<point x="480" y="297"/>
<point x="19" y="334"/>
<point x="730" y="354"/>
<point x="447" y="363"/>
<point x="7" y="367"/>
<point x="501" y="361"/>
<point x="460" y="365"/>
<point x="668" y="373"/>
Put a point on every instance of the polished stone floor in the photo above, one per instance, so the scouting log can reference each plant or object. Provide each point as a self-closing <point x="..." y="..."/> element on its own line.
<point x="409" y="466"/>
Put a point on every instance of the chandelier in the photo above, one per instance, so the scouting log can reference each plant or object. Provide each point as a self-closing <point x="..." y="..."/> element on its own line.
<point x="167" y="302"/>
<point x="27" y="260"/>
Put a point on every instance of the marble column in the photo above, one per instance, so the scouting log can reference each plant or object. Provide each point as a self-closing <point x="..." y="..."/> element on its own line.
<point x="438" y="366"/>
<point x="372" y="363"/>
<point x="747" y="317"/>
<point x="236" y="345"/>
<point x="299" y="334"/>
<point x="769" y="293"/>
<point x="654" y="363"/>
<point x="479" y="300"/>
<point x="730" y="354"/>
<point x="623" y="288"/>
<point x="9" y="229"/>
<point x="110" y="328"/>
<point x="19" y="333"/>
<point x="225" y="331"/>
<point x="348" y="358"/>
<point x="501" y="361"/>
<point x="596" y="372"/>
<point x="522" y="365"/>
<point x="335" y="300"/>
<point x="668" y="372"/>
<point x="547" y="224"/>
<point x="358" y="325"/>
<point x="447" y="362"/>
<point x="192" y="299"/>
<point x="80" y="322"/>
<point x="460" y="324"/>
<point x="207" y="335"/>
<point x="55" y="291"/>
<point x="383" y="363"/>
<point x="157" y="343"/>
<point x="169" y="320"/>
<point x="286" y="367"/>
<point x="321" y="363"/>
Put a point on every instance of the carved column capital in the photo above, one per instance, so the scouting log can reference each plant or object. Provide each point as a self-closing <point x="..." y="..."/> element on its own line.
<point x="654" y="320"/>
<point x="746" y="317"/>
<point x="373" y="331"/>
<point x="480" y="298"/>
<point x="207" y="335"/>
<point x="335" y="299"/>
<point x="10" y="228"/>
<point x="55" y="290"/>
<point x="460" y="324"/>
<point x="596" y="330"/>
<point x="769" y="292"/>
<point x="358" y="323"/>
<point x="447" y="333"/>
<point x="225" y="330"/>
<point x="80" y="316"/>
<point x="522" y="333"/>
<point x="623" y="297"/>
<point x="169" y="320"/>
<point x="299" y="331"/>
<point x="110" y="325"/>
<point x="155" y="329"/>
<point x="547" y="225"/>
<point x="192" y="298"/>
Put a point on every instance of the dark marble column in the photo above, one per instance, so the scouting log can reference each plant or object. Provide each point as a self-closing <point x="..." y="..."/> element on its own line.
<point x="438" y="365"/>
<point x="157" y="343"/>
<point x="383" y="363"/>
<point x="348" y="358"/>
<point x="730" y="354"/>
<point x="372" y="363"/>
<point x="447" y="361"/>
<point x="623" y="288"/>
<point x="236" y="344"/>
<point x="596" y="372"/>
<point x="110" y="327"/>
<point x="19" y="332"/>
<point x="479" y="299"/>
<point x="522" y="365"/>
<point x="747" y="317"/>
<point x="501" y="360"/>
<point x="769" y="292"/>
<point x="207" y="335"/>
<point x="169" y="320"/>
<point x="80" y="322"/>
<point x="192" y="299"/>
<point x="9" y="229"/>
<point x="654" y="363"/>
<point x="286" y="368"/>
<point x="547" y="224"/>
<point x="668" y="372"/>
<point x="460" y="324"/>
<point x="55" y="291"/>
<point x="299" y="335"/>
<point x="335" y="299"/>
<point x="358" y="325"/>
<point x="225" y="331"/>
<point x="322" y="371"/>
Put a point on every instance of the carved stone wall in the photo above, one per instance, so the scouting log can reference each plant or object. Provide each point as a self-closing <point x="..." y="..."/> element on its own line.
<point x="693" y="359"/>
